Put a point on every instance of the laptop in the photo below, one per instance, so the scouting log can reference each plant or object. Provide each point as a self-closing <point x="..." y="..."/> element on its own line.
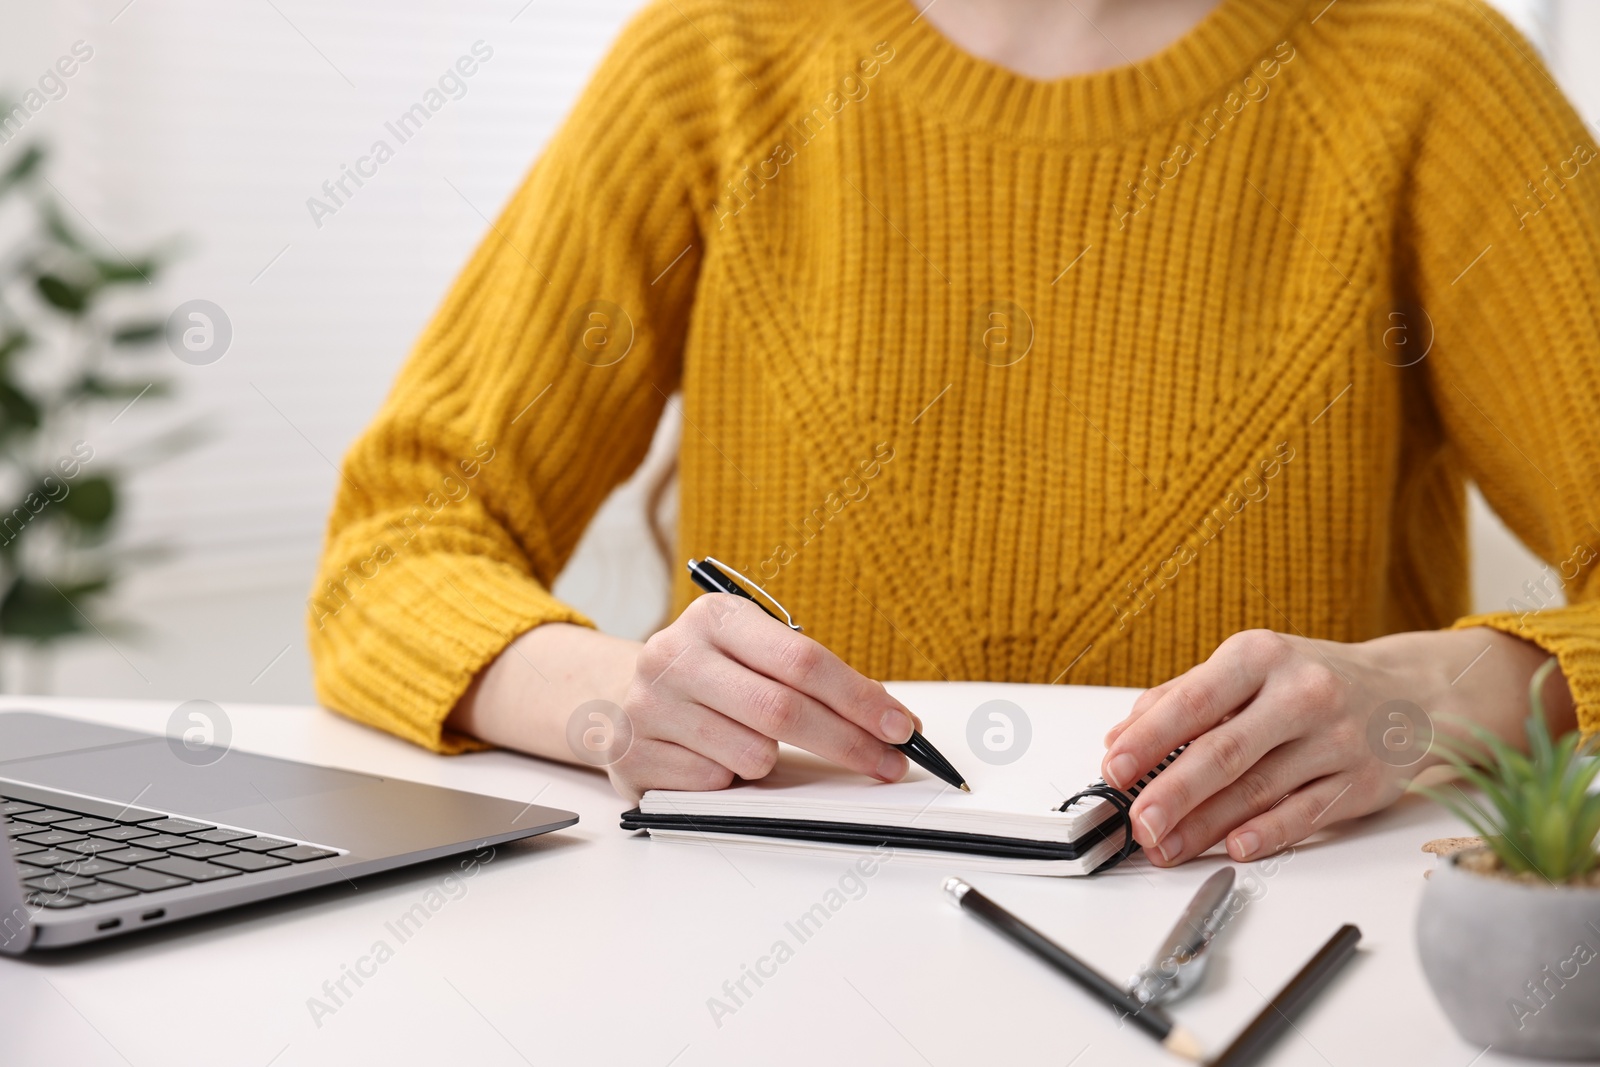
<point x="113" y="830"/>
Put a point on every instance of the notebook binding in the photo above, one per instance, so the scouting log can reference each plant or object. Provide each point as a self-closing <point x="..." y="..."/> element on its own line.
<point x="1122" y="800"/>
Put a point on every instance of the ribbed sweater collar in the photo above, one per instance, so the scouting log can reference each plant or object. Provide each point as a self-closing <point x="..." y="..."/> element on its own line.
<point x="1192" y="73"/>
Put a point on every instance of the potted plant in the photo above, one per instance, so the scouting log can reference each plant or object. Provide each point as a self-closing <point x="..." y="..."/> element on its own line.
<point x="74" y="356"/>
<point x="1509" y="934"/>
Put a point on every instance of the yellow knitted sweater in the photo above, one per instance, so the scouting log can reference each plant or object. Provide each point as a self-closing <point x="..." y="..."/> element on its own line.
<point x="992" y="378"/>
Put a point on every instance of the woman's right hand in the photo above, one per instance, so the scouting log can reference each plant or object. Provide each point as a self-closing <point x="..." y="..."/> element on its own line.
<point x="714" y="693"/>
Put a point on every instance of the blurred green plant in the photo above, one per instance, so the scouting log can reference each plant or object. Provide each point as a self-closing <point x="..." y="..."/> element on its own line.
<point x="1538" y="814"/>
<point x="71" y="340"/>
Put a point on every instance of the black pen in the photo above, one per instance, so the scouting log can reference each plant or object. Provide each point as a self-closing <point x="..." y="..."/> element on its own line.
<point x="711" y="577"/>
<point x="1147" y="1017"/>
<point x="1278" y="1014"/>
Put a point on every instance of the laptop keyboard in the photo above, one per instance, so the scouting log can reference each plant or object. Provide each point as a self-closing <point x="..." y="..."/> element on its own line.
<point x="67" y="858"/>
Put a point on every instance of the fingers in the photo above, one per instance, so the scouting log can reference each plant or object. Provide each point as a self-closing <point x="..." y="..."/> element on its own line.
<point x="1141" y="705"/>
<point x="769" y="648"/>
<point x="653" y="764"/>
<point x="1279" y="773"/>
<point x="1194" y="703"/>
<point x="1301" y="814"/>
<point x="727" y="683"/>
<point x="730" y="744"/>
<point x="1213" y="761"/>
<point x="756" y="712"/>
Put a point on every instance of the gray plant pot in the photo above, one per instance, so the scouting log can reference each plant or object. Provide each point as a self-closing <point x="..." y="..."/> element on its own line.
<point x="1514" y="966"/>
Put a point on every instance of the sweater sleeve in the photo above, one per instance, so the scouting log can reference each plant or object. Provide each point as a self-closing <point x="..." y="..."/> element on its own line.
<point x="534" y="391"/>
<point x="1505" y="212"/>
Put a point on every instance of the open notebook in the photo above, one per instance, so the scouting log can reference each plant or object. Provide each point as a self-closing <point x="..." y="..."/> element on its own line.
<point x="1013" y="820"/>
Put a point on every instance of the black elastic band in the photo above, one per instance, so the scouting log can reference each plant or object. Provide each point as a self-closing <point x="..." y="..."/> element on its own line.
<point x="1124" y="805"/>
<point x="1123" y="802"/>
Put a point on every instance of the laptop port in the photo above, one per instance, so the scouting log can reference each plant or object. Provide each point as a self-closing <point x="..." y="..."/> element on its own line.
<point x="109" y="924"/>
<point x="152" y="916"/>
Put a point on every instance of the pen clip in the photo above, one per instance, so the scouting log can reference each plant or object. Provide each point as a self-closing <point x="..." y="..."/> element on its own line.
<point x="750" y="586"/>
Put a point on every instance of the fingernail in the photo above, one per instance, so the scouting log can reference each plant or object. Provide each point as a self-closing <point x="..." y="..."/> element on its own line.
<point x="1120" y="771"/>
<point x="892" y="767"/>
<point x="1170" y="847"/>
<point x="1246" y="844"/>
<point x="1115" y="732"/>
<point x="896" y="726"/>
<point x="1154" y="821"/>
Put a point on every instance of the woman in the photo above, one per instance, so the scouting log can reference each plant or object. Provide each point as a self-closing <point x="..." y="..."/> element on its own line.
<point x="1121" y="343"/>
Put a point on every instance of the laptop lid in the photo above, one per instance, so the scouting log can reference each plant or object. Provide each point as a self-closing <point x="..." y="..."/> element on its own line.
<point x="16" y="926"/>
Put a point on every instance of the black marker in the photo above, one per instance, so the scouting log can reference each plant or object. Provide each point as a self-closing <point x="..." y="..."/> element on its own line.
<point x="1147" y="1017"/>
<point x="1278" y="1015"/>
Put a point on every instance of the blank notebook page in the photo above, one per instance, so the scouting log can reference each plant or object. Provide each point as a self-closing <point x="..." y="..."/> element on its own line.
<point x="1016" y="800"/>
<point x="804" y="787"/>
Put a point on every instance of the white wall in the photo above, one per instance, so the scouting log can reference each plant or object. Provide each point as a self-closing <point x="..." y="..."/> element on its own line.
<point x="216" y="122"/>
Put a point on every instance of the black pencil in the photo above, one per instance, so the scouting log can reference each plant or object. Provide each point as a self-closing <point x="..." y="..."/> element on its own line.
<point x="1147" y="1017"/>
<point x="708" y="576"/>
<point x="1279" y="1013"/>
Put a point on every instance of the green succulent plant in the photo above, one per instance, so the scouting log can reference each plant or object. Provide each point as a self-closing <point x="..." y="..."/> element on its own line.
<point x="74" y="353"/>
<point x="1538" y="814"/>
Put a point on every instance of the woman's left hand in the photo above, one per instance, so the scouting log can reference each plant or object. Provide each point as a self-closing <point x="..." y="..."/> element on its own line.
<point x="1282" y="741"/>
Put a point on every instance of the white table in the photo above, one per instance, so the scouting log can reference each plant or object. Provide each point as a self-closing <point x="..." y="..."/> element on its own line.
<point x="591" y="945"/>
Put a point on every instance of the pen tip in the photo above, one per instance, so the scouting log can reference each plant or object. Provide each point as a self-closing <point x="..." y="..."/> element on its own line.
<point x="965" y="788"/>
<point x="1181" y="1042"/>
